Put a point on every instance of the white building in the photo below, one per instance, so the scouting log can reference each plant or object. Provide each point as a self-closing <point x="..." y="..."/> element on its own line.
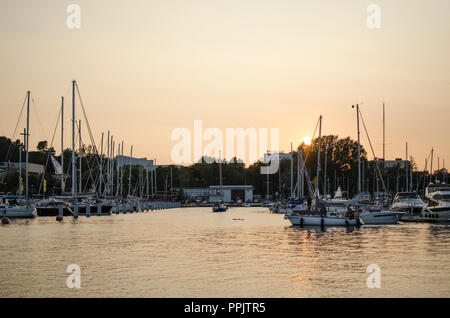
<point x="212" y="193"/>
<point x="231" y="193"/>
<point x="143" y="162"/>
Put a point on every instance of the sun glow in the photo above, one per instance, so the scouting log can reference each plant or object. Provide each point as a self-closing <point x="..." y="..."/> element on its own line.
<point x="307" y="141"/>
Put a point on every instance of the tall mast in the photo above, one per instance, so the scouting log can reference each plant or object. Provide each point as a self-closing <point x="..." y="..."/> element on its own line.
<point x="74" y="190"/>
<point x="431" y="167"/>
<point x="20" y="171"/>
<point x="129" y="177"/>
<point x="101" y="166"/>
<point x="220" y="174"/>
<point x="118" y="172"/>
<point x="359" y="149"/>
<point x="406" y="169"/>
<point x="107" y="166"/>
<point x="27" y="137"/>
<point x="318" y="156"/>
<point x="62" y="144"/>
<point x="292" y="173"/>
<point x="79" y="155"/>
<point x="325" y="172"/>
<point x="384" y="131"/>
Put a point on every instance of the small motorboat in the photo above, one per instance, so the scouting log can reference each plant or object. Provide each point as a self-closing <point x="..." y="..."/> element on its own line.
<point x="219" y="208"/>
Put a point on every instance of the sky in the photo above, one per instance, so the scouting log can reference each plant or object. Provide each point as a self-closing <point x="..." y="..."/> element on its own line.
<point x="145" y="68"/>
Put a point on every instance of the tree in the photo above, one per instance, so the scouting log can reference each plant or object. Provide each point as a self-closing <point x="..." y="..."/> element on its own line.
<point x="42" y="145"/>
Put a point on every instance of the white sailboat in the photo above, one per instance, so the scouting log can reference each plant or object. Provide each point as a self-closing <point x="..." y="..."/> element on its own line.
<point x="305" y="219"/>
<point x="11" y="207"/>
<point x="374" y="214"/>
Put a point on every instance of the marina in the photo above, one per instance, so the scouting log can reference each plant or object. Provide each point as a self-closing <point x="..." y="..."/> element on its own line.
<point x="179" y="253"/>
<point x="225" y="149"/>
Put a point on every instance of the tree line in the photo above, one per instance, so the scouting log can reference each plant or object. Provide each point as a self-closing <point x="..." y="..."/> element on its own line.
<point x="339" y="154"/>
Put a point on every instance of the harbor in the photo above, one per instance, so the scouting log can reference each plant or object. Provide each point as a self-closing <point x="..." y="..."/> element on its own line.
<point x="224" y="149"/>
<point x="245" y="252"/>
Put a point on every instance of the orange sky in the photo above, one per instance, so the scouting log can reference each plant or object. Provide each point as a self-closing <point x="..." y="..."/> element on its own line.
<point x="147" y="67"/>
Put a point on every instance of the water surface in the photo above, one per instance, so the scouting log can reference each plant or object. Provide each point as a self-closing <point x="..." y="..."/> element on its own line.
<point x="246" y="252"/>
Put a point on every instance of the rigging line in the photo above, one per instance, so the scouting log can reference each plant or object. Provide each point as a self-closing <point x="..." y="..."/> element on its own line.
<point x="87" y="124"/>
<point x="87" y="161"/>
<point x="41" y="127"/>
<point x="85" y="117"/>
<point x="48" y="155"/>
<point x="424" y="170"/>
<point x="307" y="155"/>
<point x="373" y="153"/>
<point x="15" y="129"/>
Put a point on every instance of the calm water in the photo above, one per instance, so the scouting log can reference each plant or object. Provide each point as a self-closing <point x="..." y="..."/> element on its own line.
<point x="246" y="252"/>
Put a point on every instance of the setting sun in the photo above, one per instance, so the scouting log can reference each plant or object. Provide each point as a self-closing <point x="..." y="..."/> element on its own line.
<point x="307" y="141"/>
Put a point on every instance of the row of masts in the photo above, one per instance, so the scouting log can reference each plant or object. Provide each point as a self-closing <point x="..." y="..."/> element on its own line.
<point x="297" y="191"/>
<point x="104" y="186"/>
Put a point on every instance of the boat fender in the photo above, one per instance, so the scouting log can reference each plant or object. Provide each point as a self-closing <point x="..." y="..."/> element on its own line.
<point x="59" y="218"/>
<point x="5" y="220"/>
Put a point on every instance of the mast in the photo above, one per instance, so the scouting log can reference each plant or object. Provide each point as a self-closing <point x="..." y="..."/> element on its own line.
<point x="20" y="171"/>
<point x="325" y="172"/>
<point x="79" y="154"/>
<point x="118" y="172"/>
<point x="384" y="131"/>
<point x="129" y="177"/>
<point x="431" y="167"/>
<point x="107" y="165"/>
<point x="220" y="175"/>
<point x="27" y="137"/>
<point x="62" y="144"/>
<point x="74" y="190"/>
<point x="359" y="148"/>
<point x="299" y="179"/>
<point x="406" y="169"/>
<point x="318" y="157"/>
<point x="101" y="166"/>
<point x="292" y="173"/>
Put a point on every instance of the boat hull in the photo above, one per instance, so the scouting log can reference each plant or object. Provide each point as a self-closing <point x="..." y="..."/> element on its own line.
<point x="18" y="213"/>
<point x="52" y="211"/>
<point x="437" y="214"/>
<point x="320" y="221"/>
<point x="380" y="218"/>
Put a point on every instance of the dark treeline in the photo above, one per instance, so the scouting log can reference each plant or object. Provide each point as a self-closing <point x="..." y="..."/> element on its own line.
<point x="340" y="154"/>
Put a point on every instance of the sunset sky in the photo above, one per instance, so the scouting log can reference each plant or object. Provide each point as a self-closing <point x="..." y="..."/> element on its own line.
<point x="146" y="67"/>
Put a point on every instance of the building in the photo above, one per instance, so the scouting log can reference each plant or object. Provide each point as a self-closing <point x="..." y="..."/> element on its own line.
<point x="398" y="162"/>
<point x="212" y="193"/>
<point x="196" y="193"/>
<point x="33" y="168"/>
<point x="231" y="193"/>
<point x="281" y="156"/>
<point x="143" y="162"/>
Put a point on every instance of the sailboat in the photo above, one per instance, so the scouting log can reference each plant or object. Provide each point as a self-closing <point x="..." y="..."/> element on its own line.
<point x="220" y="207"/>
<point x="321" y="219"/>
<point x="373" y="214"/>
<point x="15" y="207"/>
